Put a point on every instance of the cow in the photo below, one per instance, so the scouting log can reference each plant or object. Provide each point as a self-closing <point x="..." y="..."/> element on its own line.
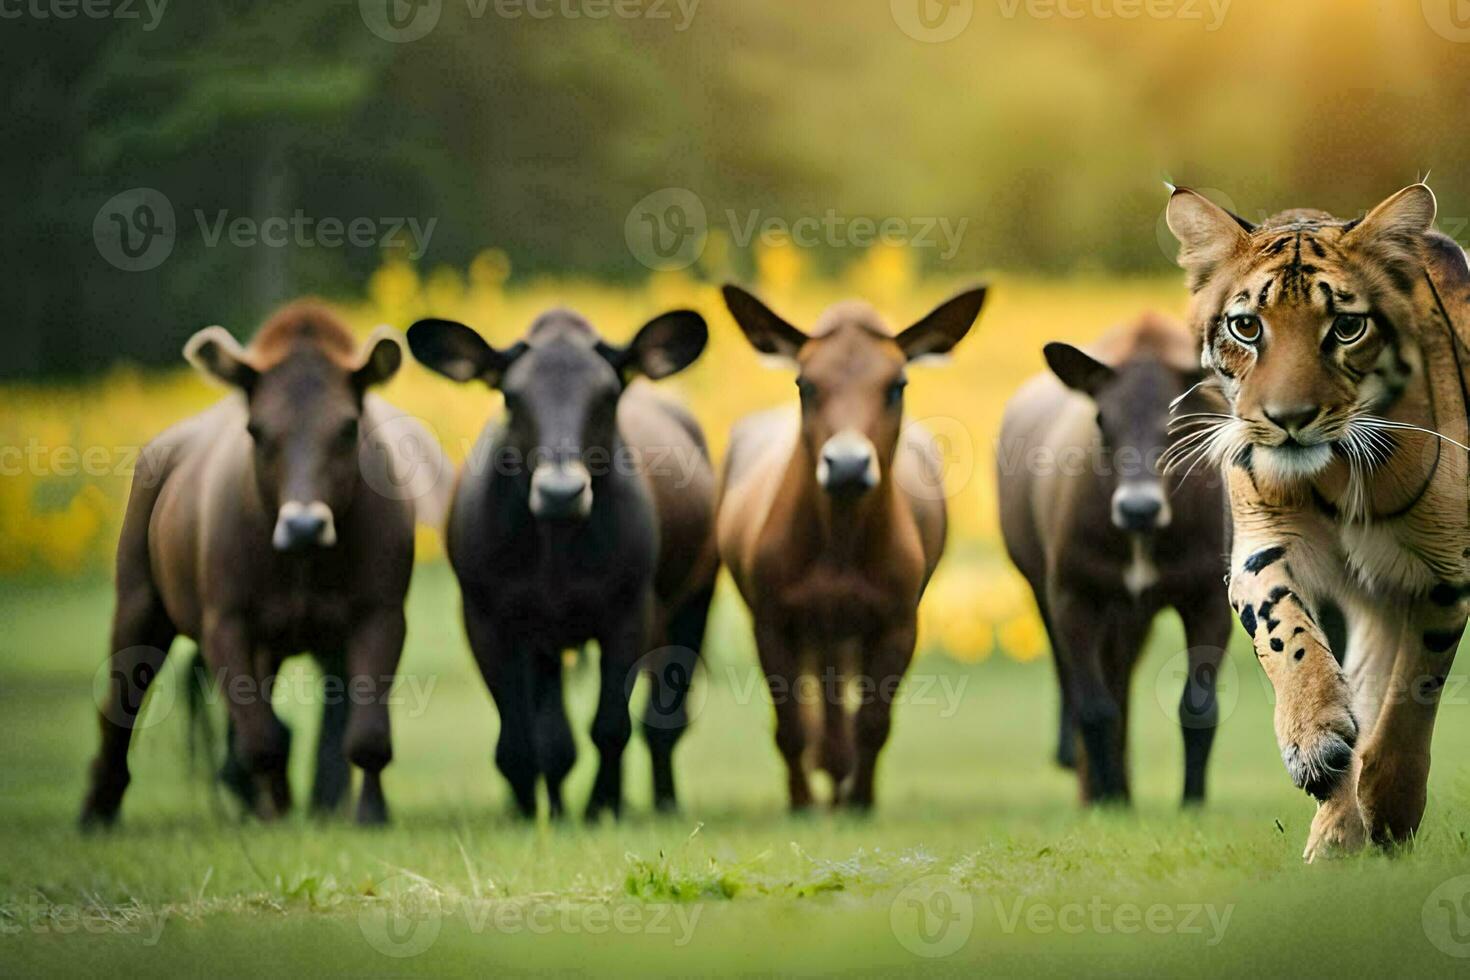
<point x="585" y="512"/>
<point x="831" y="521"/>
<point x="259" y="532"/>
<point x="1107" y="539"/>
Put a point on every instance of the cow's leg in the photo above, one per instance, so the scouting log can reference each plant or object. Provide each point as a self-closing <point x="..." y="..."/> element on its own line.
<point x="373" y="651"/>
<point x="1395" y="757"/>
<point x="141" y="636"/>
<point x="666" y="715"/>
<point x="778" y="652"/>
<point x="1124" y="642"/>
<point x="839" y="754"/>
<point x="260" y="742"/>
<point x="622" y="643"/>
<point x="556" y="751"/>
<point x="507" y="675"/>
<point x="885" y="661"/>
<point x="1207" y="629"/>
<point x="1067" y="715"/>
<point x="1084" y="639"/>
<point x="333" y="773"/>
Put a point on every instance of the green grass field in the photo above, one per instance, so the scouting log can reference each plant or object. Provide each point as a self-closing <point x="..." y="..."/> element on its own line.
<point x="977" y="858"/>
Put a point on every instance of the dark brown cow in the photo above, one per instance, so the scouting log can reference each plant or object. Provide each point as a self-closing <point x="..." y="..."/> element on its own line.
<point x="832" y="520"/>
<point x="258" y="536"/>
<point x="585" y="513"/>
<point x="1107" y="541"/>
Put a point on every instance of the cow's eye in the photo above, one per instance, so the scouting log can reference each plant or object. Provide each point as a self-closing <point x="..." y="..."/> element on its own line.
<point x="895" y="392"/>
<point x="347" y="433"/>
<point x="1245" y="328"/>
<point x="806" y="389"/>
<point x="1349" y="328"/>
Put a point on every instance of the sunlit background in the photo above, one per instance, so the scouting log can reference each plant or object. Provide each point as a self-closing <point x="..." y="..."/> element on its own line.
<point x="503" y="162"/>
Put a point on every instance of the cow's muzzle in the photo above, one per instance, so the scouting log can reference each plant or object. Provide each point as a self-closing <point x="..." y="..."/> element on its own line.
<point x="304" y="525"/>
<point x="848" y="464"/>
<point x="561" y="492"/>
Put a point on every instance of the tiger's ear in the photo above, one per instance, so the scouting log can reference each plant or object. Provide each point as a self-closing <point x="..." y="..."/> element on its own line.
<point x="1395" y="229"/>
<point x="1208" y="235"/>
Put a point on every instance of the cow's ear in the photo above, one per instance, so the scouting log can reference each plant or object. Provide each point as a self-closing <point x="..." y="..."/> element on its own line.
<point x="665" y="345"/>
<point x="219" y="357"/>
<point x="1077" y="370"/>
<point x="766" y="331"/>
<point x="937" y="334"/>
<point x="458" y="353"/>
<point x="380" y="358"/>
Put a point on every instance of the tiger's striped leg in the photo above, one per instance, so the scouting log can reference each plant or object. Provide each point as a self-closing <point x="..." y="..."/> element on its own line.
<point x="1315" y="727"/>
<point x="1395" y="756"/>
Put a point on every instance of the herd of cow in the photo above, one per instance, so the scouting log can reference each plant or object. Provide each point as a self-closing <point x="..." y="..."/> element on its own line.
<point x="263" y="537"/>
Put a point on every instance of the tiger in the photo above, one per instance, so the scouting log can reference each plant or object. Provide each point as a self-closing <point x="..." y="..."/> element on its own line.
<point x="1341" y="349"/>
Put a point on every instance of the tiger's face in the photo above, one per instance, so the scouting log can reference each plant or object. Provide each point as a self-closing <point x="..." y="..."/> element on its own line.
<point x="1306" y="324"/>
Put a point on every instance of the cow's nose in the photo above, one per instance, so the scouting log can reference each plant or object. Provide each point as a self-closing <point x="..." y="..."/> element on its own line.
<point x="561" y="493"/>
<point x="1292" y="419"/>
<point x="848" y="464"/>
<point x="1141" y="506"/>
<point x="301" y="525"/>
<point x="1140" y="513"/>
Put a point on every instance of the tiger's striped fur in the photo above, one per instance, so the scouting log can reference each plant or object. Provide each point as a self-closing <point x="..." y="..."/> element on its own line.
<point x="1341" y="349"/>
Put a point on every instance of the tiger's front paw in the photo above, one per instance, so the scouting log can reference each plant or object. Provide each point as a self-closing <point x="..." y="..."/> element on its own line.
<point x="1315" y="727"/>
<point x="1338" y="829"/>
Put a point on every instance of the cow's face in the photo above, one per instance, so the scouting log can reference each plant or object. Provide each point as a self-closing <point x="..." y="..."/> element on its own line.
<point x="305" y="426"/>
<point x="851" y="376"/>
<point x="1133" y="415"/>
<point x="562" y="384"/>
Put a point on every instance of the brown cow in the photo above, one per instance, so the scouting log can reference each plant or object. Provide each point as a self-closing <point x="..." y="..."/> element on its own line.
<point x="259" y="536"/>
<point x="832" y="520"/>
<point x="586" y="512"/>
<point x="1107" y="541"/>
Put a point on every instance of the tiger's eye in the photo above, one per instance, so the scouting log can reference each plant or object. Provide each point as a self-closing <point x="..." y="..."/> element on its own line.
<point x="1349" y="328"/>
<point x="1245" y="328"/>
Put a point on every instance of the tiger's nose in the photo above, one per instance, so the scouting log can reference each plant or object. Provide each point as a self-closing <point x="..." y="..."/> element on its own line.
<point x="1292" y="418"/>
